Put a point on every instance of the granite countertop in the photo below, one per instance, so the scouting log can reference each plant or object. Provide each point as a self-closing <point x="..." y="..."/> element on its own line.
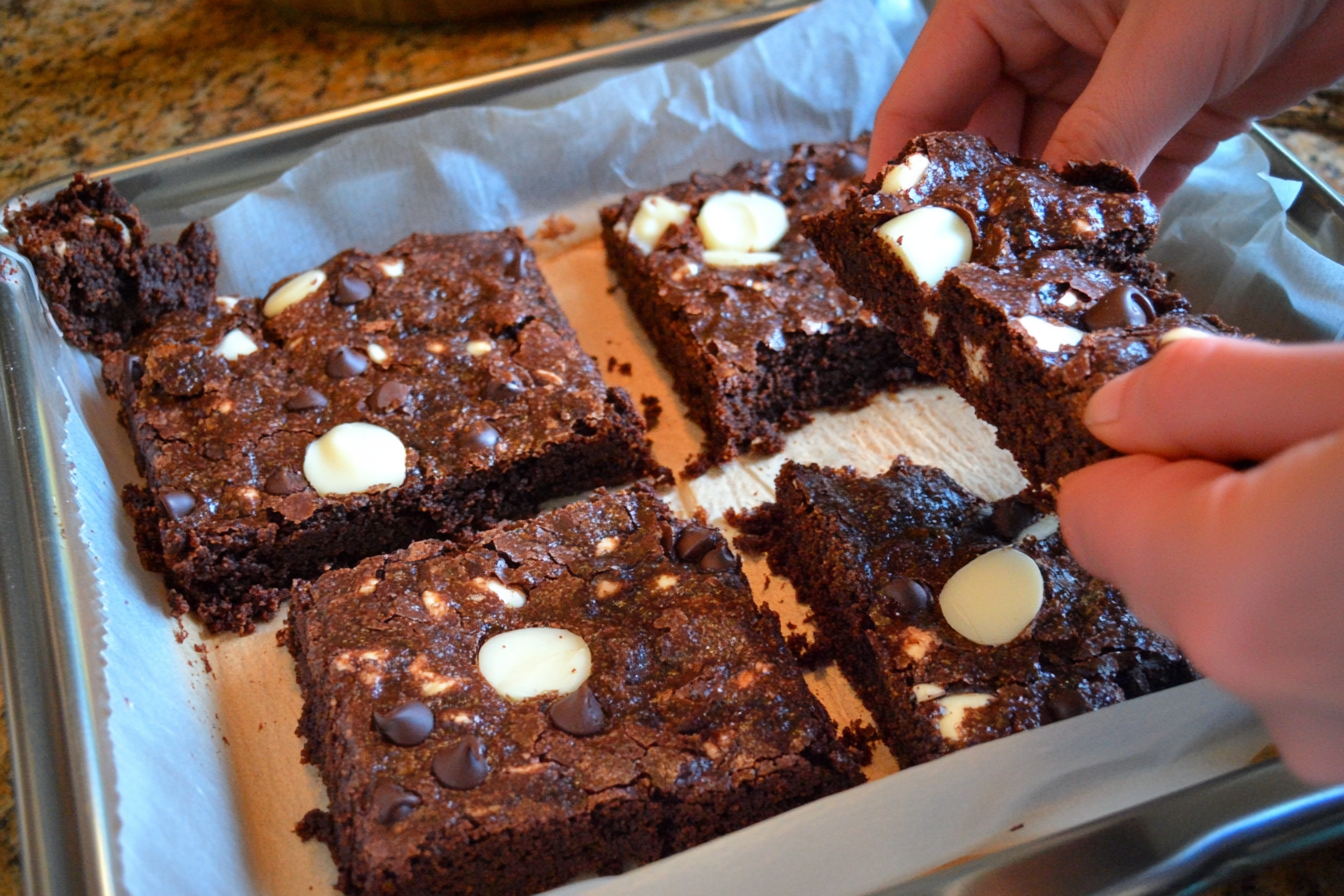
<point x="94" y="82"/>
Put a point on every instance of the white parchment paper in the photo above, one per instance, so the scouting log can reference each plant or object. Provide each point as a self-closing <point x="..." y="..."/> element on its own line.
<point x="207" y="772"/>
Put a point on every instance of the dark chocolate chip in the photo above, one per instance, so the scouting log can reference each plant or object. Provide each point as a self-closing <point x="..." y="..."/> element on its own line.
<point x="578" y="713"/>
<point x="213" y="451"/>
<point x="306" y="399"/>
<point x="1123" y="306"/>
<point x="461" y="766"/>
<point x="1010" y="517"/>
<point x="479" y="436"/>
<point x="344" y="362"/>
<point x="668" y="536"/>
<point x="177" y="504"/>
<point x="392" y="802"/>
<point x="351" y="290"/>
<point x="407" y="725"/>
<point x="695" y="542"/>
<point x="134" y="369"/>
<point x="391" y="395"/>
<point x="1066" y="705"/>
<point x="908" y="597"/>
<point x="502" y="391"/>
<point x="285" y="482"/>
<point x="718" y="559"/>
<point x="855" y="165"/>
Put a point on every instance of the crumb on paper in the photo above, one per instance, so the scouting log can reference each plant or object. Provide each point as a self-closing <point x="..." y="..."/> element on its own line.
<point x="653" y="410"/>
<point x="555" y="227"/>
<point x="860" y="737"/>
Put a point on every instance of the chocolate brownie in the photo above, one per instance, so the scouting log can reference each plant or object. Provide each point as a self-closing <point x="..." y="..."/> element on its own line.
<point x="1022" y="288"/>
<point x="102" y="281"/>
<point x="560" y="696"/>
<point x="957" y="620"/>
<point x="370" y="402"/>
<point x="745" y="316"/>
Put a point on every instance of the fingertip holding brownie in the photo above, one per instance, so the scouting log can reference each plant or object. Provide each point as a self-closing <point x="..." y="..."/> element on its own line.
<point x="744" y="315"/>
<point x="1022" y="288"/>
<point x="957" y="620"/>
<point x="102" y="280"/>
<point x="369" y="402"/>
<point x="566" y="695"/>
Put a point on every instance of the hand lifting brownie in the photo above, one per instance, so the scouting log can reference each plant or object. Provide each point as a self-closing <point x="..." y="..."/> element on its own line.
<point x="745" y="316"/>
<point x="370" y="402"/>
<point x="958" y="621"/>
<point x="1022" y="288"/>
<point x="559" y="696"/>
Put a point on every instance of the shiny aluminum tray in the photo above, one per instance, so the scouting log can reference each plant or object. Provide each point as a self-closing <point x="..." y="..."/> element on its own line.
<point x="50" y="640"/>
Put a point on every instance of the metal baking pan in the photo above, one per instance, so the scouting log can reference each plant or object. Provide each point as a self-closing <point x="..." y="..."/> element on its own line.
<point x="61" y="755"/>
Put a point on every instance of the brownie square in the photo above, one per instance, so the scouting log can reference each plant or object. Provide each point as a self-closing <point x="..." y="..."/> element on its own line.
<point x="873" y="558"/>
<point x="102" y="281"/>
<point x="1052" y="298"/>
<point x="753" y="348"/>
<point x="438" y="382"/>
<point x="694" y="720"/>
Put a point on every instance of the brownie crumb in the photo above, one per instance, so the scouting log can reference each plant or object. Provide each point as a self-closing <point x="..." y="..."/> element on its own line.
<point x="204" y="653"/>
<point x="626" y="369"/>
<point x="811" y="653"/>
<point x="860" y="737"/>
<point x="317" y="825"/>
<point x="611" y="364"/>
<point x="653" y="410"/>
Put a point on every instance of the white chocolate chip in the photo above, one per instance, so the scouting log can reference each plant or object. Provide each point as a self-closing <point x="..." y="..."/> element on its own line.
<point x="125" y="231"/>
<point x="1181" y="333"/>
<point x="665" y="581"/>
<point x="1071" y="299"/>
<point x="607" y="545"/>
<point x="926" y="692"/>
<point x="293" y="292"/>
<point x="58" y="247"/>
<point x="355" y="457"/>
<point x="929" y="241"/>
<point x="527" y="662"/>
<point x="435" y="348"/>
<point x="1040" y="530"/>
<point x="734" y="221"/>
<point x="510" y="597"/>
<point x="955" y="707"/>
<point x="393" y="268"/>
<point x="655" y="215"/>
<point x="729" y="258"/>
<point x="907" y="174"/>
<point x="976" y="365"/>
<point x="234" y="345"/>
<point x="931" y="323"/>
<point x="478" y="347"/>
<point x="224" y="407"/>
<point x="377" y="354"/>
<point x="228" y="303"/>
<point x="367" y="587"/>
<point x="86" y="221"/>
<point x="547" y="376"/>
<point x="1049" y="336"/>
<point x="992" y="599"/>
<point x="607" y="587"/>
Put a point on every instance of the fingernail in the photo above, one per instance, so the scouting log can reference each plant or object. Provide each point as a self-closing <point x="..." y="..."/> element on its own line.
<point x="1106" y="403"/>
<point x="1181" y="333"/>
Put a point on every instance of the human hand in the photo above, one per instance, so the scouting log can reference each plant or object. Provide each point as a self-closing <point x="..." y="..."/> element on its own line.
<point x="1152" y="84"/>
<point x="1244" y="569"/>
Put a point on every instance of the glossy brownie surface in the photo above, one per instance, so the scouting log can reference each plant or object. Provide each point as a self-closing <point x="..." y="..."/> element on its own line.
<point x="853" y="546"/>
<point x="706" y="724"/>
<point x="454" y="344"/>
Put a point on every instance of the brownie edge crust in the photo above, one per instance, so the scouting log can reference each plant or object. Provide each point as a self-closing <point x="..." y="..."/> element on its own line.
<point x="694" y="721"/>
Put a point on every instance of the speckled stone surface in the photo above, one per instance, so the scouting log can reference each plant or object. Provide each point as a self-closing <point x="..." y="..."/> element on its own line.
<point x="89" y="83"/>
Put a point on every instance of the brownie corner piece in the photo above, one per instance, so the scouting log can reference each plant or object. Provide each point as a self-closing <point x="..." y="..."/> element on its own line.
<point x="1022" y="288"/>
<point x="565" y="695"/>
<point x="102" y="279"/>
<point x="958" y="620"/>
<point x="753" y="328"/>
<point x="377" y="399"/>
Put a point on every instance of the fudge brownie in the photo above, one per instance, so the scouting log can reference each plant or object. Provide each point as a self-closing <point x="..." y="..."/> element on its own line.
<point x="103" y="282"/>
<point x="670" y="713"/>
<point x="1022" y="288"/>
<point x="744" y="314"/>
<point x="371" y="402"/>
<point x="957" y="620"/>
